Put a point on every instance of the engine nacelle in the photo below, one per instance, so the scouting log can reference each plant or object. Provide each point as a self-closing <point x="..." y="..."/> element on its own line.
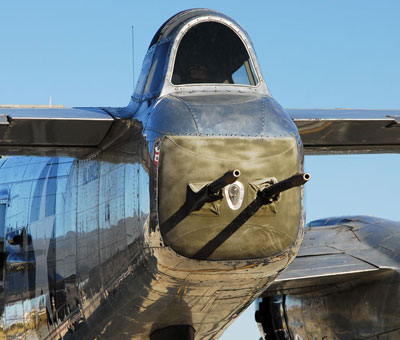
<point x="365" y="307"/>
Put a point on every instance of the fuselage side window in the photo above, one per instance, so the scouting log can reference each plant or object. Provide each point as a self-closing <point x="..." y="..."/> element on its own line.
<point x="156" y="72"/>
<point x="144" y="73"/>
<point x="211" y="52"/>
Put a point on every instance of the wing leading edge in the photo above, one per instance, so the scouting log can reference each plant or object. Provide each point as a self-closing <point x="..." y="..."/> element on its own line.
<point x="346" y="131"/>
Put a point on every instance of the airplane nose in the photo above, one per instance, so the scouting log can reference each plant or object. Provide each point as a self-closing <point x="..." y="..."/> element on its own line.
<point x="189" y="164"/>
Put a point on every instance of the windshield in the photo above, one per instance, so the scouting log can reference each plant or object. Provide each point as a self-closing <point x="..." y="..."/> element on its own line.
<point x="211" y="52"/>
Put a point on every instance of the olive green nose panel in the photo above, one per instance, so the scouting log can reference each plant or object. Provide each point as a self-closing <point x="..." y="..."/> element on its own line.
<point x="196" y="161"/>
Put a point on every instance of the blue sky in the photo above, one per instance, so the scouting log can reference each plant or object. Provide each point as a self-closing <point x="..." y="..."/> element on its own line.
<point x="318" y="54"/>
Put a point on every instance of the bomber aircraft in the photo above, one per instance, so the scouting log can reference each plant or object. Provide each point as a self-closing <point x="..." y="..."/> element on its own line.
<point x="165" y="219"/>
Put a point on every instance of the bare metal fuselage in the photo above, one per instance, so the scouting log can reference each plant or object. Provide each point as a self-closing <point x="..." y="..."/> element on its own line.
<point x="93" y="261"/>
<point x="89" y="247"/>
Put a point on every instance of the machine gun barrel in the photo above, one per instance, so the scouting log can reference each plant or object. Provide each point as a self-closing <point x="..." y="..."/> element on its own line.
<point x="275" y="189"/>
<point x="226" y="179"/>
<point x="195" y="200"/>
<point x="266" y="196"/>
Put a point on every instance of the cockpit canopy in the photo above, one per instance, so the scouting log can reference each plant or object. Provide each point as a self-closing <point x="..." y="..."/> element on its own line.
<point x="199" y="49"/>
<point x="211" y="52"/>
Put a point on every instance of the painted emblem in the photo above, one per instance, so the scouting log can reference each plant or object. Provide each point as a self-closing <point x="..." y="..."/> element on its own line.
<point x="234" y="194"/>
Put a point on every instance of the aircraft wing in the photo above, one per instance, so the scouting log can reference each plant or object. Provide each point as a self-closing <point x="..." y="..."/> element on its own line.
<point x="344" y="284"/>
<point x="323" y="131"/>
<point x="345" y="249"/>
<point x="52" y="130"/>
<point x="345" y="131"/>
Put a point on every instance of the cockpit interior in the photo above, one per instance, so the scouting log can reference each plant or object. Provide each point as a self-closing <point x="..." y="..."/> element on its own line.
<point x="211" y="52"/>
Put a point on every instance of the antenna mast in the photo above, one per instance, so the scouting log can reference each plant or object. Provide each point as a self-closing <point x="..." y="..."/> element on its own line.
<point x="133" y="59"/>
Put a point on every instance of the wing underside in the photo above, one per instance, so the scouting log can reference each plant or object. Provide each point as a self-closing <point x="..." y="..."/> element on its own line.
<point x="347" y="131"/>
<point x="338" y="250"/>
<point x="59" y="131"/>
